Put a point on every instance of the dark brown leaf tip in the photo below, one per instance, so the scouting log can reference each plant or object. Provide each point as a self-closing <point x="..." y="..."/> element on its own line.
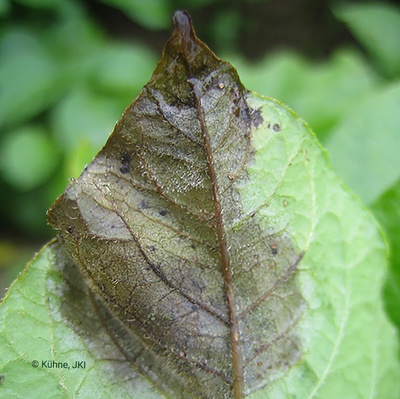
<point x="185" y="35"/>
<point x="183" y="24"/>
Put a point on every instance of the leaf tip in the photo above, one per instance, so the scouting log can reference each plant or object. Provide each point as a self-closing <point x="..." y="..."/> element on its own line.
<point x="185" y="35"/>
<point x="183" y="24"/>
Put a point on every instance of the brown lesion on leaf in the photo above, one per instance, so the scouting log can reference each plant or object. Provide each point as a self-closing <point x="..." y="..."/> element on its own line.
<point x="206" y="294"/>
<point x="256" y="117"/>
<point x="163" y="212"/>
<point x="126" y="158"/>
<point x="283" y="278"/>
<point x="276" y="127"/>
<point x="274" y="249"/>
<point x="125" y="161"/>
<point x="125" y="169"/>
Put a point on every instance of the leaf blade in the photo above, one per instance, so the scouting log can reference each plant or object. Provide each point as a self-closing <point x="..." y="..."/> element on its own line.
<point x="47" y="315"/>
<point x="199" y="225"/>
<point x="180" y="130"/>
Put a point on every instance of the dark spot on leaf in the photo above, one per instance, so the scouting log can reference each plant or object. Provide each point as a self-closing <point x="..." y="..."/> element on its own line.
<point x="274" y="249"/>
<point x="124" y="169"/>
<point x="163" y="212"/>
<point x="126" y="159"/>
<point x="144" y="204"/>
<point x="1" y="379"/>
<point x="255" y="116"/>
<point x="236" y="93"/>
<point x="276" y="127"/>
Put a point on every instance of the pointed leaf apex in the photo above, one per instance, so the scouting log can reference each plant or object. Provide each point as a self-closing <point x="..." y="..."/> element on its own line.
<point x="183" y="26"/>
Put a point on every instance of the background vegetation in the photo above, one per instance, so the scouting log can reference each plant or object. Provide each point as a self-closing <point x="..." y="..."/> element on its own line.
<point x="68" y="69"/>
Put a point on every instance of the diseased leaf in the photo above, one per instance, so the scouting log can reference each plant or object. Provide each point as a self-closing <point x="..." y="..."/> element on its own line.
<point x="163" y="208"/>
<point x="225" y="258"/>
<point x="47" y="317"/>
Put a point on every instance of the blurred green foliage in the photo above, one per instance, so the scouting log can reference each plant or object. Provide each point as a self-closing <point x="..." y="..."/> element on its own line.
<point x="66" y="77"/>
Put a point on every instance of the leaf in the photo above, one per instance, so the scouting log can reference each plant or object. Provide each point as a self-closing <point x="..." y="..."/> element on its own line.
<point x="114" y="74"/>
<point x="387" y="210"/>
<point x="38" y="3"/>
<point x="225" y="258"/>
<point x="28" y="157"/>
<point x="47" y="316"/>
<point x="4" y="8"/>
<point x="377" y="26"/>
<point x="190" y="287"/>
<point x="83" y="115"/>
<point x="370" y="135"/>
<point x="153" y="14"/>
<point x="332" y="89"/>
<point x="24" y="95"/>
<point x="323" y="93"/>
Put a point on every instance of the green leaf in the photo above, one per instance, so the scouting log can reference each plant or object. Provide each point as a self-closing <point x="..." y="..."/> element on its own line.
<point x="323" y="93"/>
<point x="278" y="75"/>
<point x="30" y="78"/>
<point x="75" y="38"/>
<point x="113" y="72"/>
<point x="153" y="14"/>
<point x="377" y="26"/>
<point x="47" y="316"/>
<point x="4" y="8"/>
<point x="38" y="3"/>
<point x="77" y="159"/>
<point x="225" y="28"/>
<point x="13" y="257"/>
<point x="28" y="157"/>
<point x="387" y="210"/>
<point x="364" y="148"/>
<point x="224" y="258"/>
<point x="331" y="90"/>
<point x="84" y="115"/>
